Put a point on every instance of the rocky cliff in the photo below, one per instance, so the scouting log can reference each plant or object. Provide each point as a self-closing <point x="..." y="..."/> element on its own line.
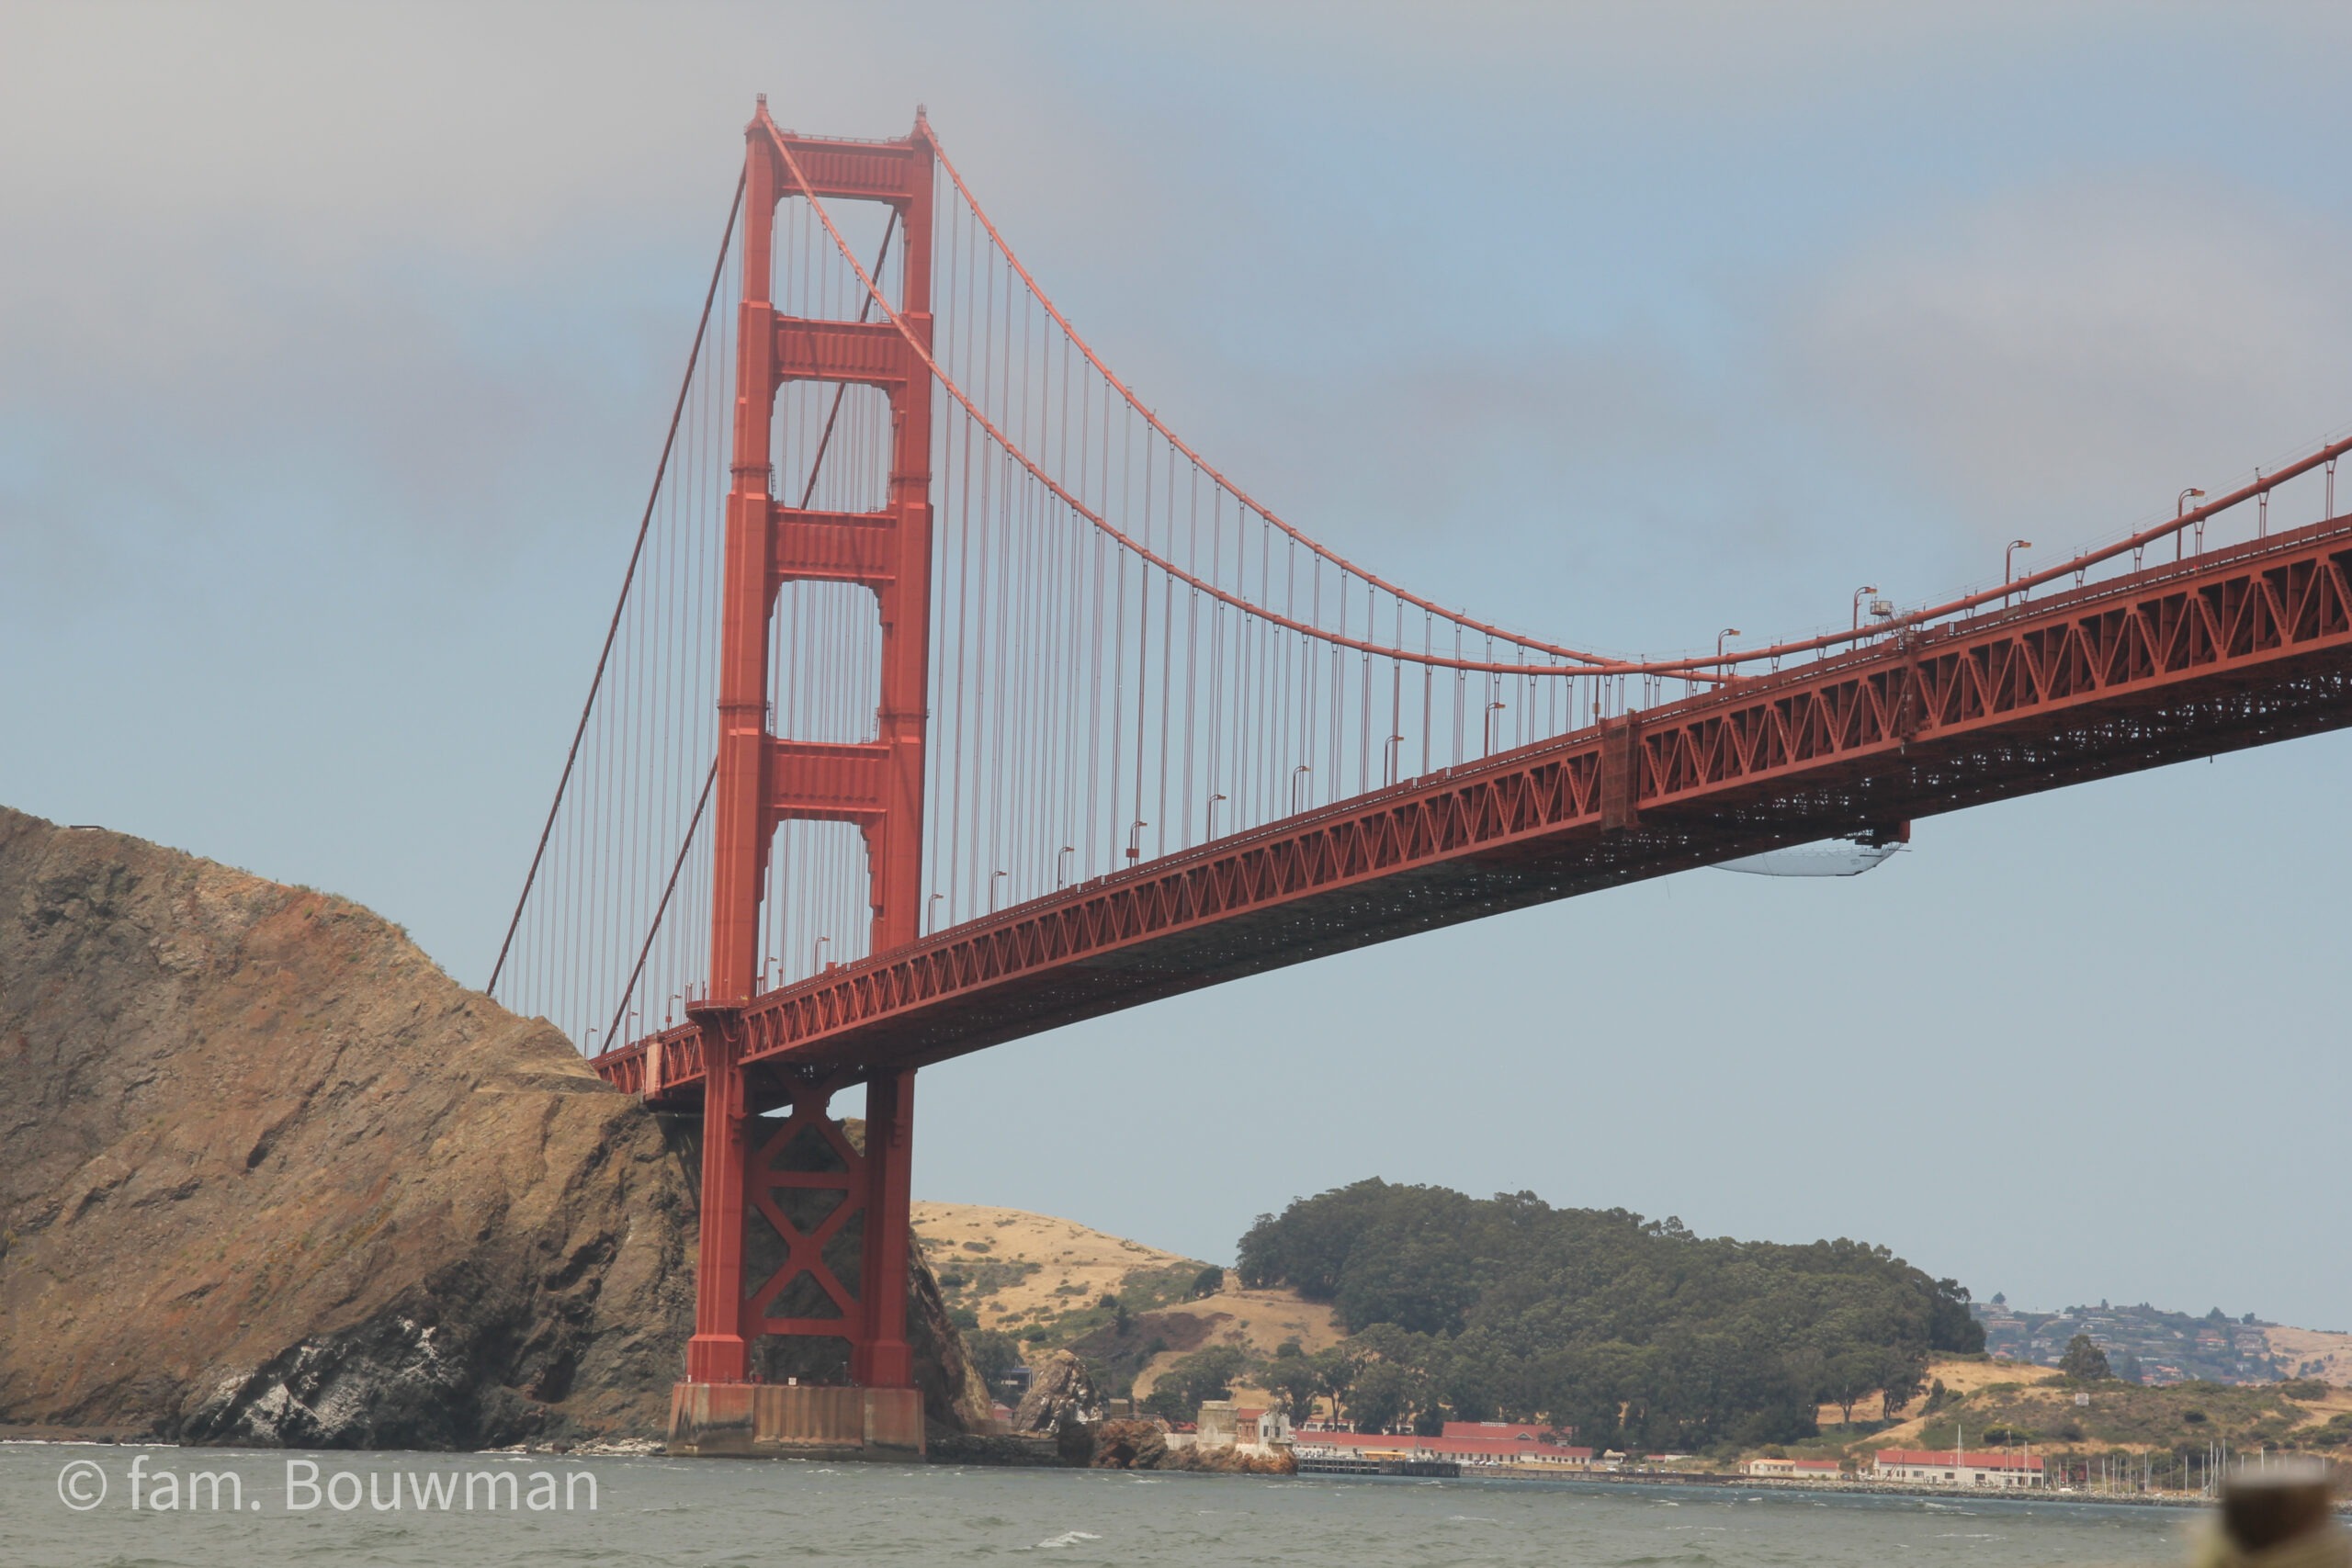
<point x="273" y="1177"/>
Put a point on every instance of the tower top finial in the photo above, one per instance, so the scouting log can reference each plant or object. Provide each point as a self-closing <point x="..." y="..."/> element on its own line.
<point x="763" y="100"/>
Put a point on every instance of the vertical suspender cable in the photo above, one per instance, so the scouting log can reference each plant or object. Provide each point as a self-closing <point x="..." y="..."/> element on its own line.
<point x="661" y="469"/>
<point x="637" y="971"/>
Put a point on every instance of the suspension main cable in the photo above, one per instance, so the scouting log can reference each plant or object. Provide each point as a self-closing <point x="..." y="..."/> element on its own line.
<point x="1240" y="495"/>
<point x="1591" y="663"/>
<point x="1697" y="668"/>
<point x="1690" y="668"/>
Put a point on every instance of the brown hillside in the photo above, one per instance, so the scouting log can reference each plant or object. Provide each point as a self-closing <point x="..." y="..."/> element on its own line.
<point x="273" y="1177"/>
<point x="2313" y="1353"/>
<point x="1015" y="1271"/>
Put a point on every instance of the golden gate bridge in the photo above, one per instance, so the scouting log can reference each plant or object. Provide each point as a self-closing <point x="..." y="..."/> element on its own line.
<point x="1026" y="713"/>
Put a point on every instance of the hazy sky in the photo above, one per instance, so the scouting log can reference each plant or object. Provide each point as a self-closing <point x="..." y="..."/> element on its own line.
<point x="335" y="345"/>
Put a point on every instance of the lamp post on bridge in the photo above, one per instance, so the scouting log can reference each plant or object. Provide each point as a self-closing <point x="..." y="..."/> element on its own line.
<point x="1061" y="860"/>
<point x="2200" y="523"/>
<point x="992" y="883"/>
<point x="1303" y="768"/>
<point x="931" y="911"/>
<point x="1865" y="588"/>
<point x="1134" y="840"/>
<point x="1391" y="760"/>
<point x="1492" y="709"/>
<point x="816" y="956"/>
<point x="1720" y="668"/>
<point x="2008" y="556"/>
<point x="1212" y="828"/>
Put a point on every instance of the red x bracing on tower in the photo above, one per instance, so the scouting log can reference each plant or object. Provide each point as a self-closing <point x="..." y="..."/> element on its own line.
<point x="1025" y="713"/>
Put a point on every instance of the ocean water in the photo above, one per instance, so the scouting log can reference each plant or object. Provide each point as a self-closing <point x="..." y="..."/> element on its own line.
<point x="332" y="1509"/>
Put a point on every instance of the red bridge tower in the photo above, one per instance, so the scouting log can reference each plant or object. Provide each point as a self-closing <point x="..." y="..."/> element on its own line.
<point x="763" y="781"/>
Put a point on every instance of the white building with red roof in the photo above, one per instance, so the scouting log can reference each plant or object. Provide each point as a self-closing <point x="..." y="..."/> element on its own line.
<point x="1956" y="1467"/>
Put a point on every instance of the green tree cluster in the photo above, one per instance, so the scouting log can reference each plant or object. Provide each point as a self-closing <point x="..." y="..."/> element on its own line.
<point x="992" y="1353"/>
<point x="1180" y="1391"/>
<point x="2084" y="1361"/>
<point x="1619" y="1331"/>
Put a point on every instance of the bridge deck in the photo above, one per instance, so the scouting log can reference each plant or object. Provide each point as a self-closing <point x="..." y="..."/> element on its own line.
<point x="2230" y="650"/>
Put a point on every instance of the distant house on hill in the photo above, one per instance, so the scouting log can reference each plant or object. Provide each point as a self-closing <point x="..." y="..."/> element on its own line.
<point x="1798" y="1469"/>
<point x="1954" y="1468"/>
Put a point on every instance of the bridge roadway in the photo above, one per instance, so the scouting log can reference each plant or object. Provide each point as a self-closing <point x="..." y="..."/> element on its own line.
<point x="2235" y="647"/>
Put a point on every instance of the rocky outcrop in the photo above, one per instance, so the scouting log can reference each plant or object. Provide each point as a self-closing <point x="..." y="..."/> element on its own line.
<point x="1061" y="1395"/>
<point x="1231" y="1461"/>
<point x="274" y="1177"/>
<point x="1143" y="1445"/>
<point x="1129" y="1445"/>
<point x="954" y="1394"/>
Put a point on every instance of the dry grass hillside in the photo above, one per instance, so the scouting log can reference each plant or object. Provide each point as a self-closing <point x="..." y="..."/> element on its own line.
<point x="1959" y="1377"/>
<point x="2310" y="1353"/>
<point x="1015" y="1270"/>
<point x="2004" y="1404"/>
<point x="1044" y="1279"/>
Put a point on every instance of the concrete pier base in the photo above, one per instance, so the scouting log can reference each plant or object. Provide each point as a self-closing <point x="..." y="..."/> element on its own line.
<point x="745" y="1418"/>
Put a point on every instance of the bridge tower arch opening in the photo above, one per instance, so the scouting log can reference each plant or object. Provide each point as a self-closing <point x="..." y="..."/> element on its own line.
<point x="828" y="1220"/>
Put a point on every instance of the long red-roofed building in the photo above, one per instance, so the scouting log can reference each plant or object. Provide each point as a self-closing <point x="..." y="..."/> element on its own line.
<point x="1466" y="1442"/>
